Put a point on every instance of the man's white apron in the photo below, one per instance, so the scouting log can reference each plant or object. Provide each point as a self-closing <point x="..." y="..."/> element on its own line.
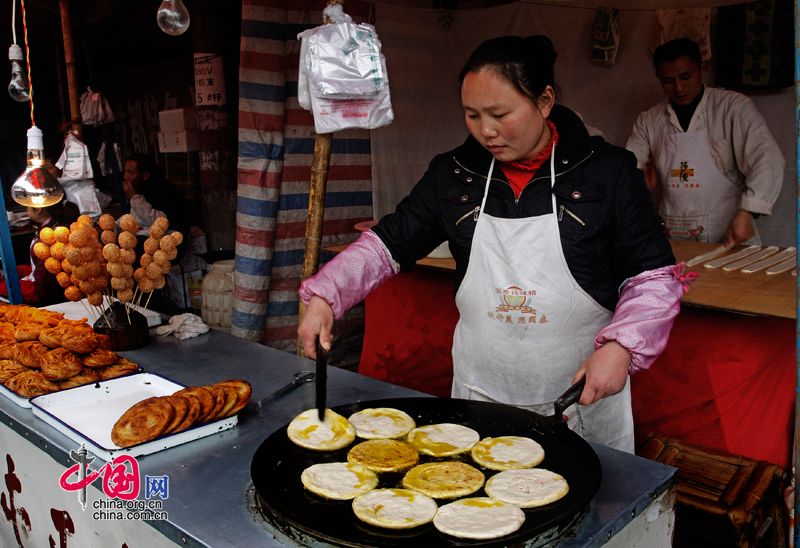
<point x="698" y="202"/>
<point x="526" y="325"/>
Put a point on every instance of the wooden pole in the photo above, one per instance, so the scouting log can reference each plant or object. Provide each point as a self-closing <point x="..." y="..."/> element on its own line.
<point x="69" y="61"/>
<point x="316" y="205"/>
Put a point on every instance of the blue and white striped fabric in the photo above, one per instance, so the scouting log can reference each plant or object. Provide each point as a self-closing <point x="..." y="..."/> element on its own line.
<point x="276" y="148"/>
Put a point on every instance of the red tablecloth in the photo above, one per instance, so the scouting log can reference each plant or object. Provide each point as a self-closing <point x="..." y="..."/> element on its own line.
<point x="725" y="381"/>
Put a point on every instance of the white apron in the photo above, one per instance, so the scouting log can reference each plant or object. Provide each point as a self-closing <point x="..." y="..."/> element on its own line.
<point x="698" y="202"/>
<point x="526" y="325"/>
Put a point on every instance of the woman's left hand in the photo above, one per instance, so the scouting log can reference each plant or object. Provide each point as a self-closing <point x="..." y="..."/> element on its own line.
<point x="606" y="372"/>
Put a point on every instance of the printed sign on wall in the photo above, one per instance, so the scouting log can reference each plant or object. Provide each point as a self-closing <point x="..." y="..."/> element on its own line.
<point x="209" y="80"/>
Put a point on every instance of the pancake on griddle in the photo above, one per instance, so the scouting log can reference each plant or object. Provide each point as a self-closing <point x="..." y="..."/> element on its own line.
<point x="384" y="455"/>
<point x="507" y="453"/>
<point x="444" y="480"/>
<point x="338" y="480"/>
<point x="394" y="508"/>
<point x="443" y="439"/>
<point x="306" y="430"/>
<point x="381" y="422"/>
<point x="527" y="488"/>
<point x="479" y="518"/>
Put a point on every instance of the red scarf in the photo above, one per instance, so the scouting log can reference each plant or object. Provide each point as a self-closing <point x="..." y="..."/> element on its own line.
<point x="520" y="173"/>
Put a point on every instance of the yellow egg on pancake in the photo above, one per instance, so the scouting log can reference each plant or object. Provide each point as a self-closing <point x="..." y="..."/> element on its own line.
<point x="307" y="431"/>
<point x="381" y="422"/>
<point x="394" y="508"/>
<point x="527" y="488"/>
<point x="338" y="480"/>
<point x="507" y="453"/>
<point x="444" y="480"/>
<point x="443" y="439"/>
<point x="383" y="455"/>
<point x="479" y="518"/>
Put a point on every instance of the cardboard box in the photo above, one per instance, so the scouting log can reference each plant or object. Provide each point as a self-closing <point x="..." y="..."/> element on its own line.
<point x="177" y="140"/>
<point x="177" y="119"/>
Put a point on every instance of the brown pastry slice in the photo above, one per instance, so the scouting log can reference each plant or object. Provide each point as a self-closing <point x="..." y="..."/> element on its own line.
<point x="30" y="353"/>
<point x="242" y="389"/>
<point x="80" y="341"/>
<point x="28" y="331"/>
<point x="181" y="407"/>
<point x="100" y="358"/>
<point x="60" y="364"/>
<point x="220" y="397"/>
<point x="7" y="330"/>
<point x="143" y="422"/>
<point x="8" y="351"/>
<point x="51" y="336"/>
<point x="192" y="412"/>
<point x="29" y="384"/>
<point x="10" y="368"/>
<point x="205" y="398"/>
<point x="86" y="376"/>
<point x="119" y="369"/>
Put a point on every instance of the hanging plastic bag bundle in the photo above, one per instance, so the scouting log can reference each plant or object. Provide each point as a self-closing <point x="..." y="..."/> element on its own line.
<point x="76" y="176"/>
<point x="342" y="75"/>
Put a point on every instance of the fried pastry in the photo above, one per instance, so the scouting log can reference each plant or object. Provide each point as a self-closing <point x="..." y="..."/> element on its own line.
<point x="85" y="376"/>
<point x="181" y="407"/>
<point x="242" y="389"/>
<point x="80" y="341"/>
<point x="100" y="358"/>
<point x="443" y="439"/>
<point x="384" y="455"/>
<point x="444" y="480"/>
<point x="60" y="364"/>
<point x="29" y="384"/>
<point x="27" y="331"/>
<point x="143" y="422"/>
<point x="479" y="518"/>
<point x="306" y="430"/>
<point x="338" y="480"/>
<point x="30" y="353"/>
<point x="51" y="336"/>
<point x="10" y="368"/>
<point x="381" y="422"/>
<point x="7" y="331"/>
<point x="507" y="453"/>
<point x="394" y="508"/>
<point x="118" y="369"/>
<point x="219" y="401"/>
<point x="192" y="412"/>
<point x="8" y="351"/>
<point x="204" y="398"/>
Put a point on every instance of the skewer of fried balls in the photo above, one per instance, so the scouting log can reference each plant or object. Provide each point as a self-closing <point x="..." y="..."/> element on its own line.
<point x="120" y="257"/>
<point x="159" y="249"/>
<point x="74" y="256"/>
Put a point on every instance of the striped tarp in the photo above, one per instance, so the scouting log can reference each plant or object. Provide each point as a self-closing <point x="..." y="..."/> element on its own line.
<point x="276" y="145"/>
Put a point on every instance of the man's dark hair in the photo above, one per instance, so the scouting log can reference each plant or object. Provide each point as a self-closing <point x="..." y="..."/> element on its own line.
<point x="680" y="47"/>
<point x="144" y="163"/>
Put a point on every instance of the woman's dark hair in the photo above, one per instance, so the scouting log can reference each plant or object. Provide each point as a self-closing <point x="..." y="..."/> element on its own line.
<point x="526" y="62"/>
<point x="680" y="47"/>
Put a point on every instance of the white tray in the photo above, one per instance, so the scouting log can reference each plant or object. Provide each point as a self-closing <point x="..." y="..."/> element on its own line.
<point x="75" y="310"/>
<point x="19" y="400"/>
<point x="87" y="413"/>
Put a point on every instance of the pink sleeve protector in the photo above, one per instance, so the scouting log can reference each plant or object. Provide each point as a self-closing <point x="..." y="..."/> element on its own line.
<point x="645" y="312"/>
<point x="350" y="276"/>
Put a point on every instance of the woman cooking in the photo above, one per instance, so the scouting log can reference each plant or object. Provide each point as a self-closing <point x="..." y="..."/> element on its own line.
<point x="562" y="266"/>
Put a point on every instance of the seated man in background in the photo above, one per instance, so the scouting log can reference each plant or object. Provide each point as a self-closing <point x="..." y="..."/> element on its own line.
<point x="151" y="195"/>
<point x="717" y="167"/>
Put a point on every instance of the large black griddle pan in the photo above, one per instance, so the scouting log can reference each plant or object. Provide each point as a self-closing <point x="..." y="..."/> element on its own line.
<point x="278" y="463"/>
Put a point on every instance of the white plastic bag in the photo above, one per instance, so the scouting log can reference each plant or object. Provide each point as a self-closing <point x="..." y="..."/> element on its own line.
<point x="95" y="110"/>
<point x="342" y="75"/>
<point x="74" y="161"/>
<point x="84" y="195"/>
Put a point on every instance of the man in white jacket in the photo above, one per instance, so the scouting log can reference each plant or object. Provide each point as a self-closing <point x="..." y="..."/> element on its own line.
<point x="716" y="165"/>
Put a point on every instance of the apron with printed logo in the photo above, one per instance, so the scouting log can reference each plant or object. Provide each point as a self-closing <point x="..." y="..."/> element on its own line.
<point x="526" y="325"/>
<point x="698" y="202"/>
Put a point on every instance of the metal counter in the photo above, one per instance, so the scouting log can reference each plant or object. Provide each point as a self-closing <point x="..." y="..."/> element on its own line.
<point x="210" y="493"/>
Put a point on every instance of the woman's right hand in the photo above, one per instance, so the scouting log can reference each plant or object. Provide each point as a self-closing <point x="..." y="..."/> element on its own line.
<point x="318" y="320"/>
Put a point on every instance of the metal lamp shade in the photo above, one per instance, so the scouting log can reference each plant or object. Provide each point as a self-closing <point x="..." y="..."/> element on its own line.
<point x="37" y="187"/>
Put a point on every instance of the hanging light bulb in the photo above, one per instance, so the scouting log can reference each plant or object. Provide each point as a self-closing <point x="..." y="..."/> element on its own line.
<point x="173" y="17"/>
<point x="36" y="187"/>
<point x="18" y="87"/>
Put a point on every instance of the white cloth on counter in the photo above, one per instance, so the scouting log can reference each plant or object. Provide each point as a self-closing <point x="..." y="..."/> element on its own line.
<point x="183" y="326"/>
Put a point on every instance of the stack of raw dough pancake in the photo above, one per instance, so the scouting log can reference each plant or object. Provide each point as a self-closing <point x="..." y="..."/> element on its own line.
<point x="395" y="445"/>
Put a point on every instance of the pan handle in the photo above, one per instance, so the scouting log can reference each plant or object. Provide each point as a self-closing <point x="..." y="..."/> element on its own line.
<point x="572" y="395"/>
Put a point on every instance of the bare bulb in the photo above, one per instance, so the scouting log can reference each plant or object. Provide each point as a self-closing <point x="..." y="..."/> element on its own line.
<point x="36" y="187"/>
<point x="173" y="17"/>
<point x="18" y="86"/>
